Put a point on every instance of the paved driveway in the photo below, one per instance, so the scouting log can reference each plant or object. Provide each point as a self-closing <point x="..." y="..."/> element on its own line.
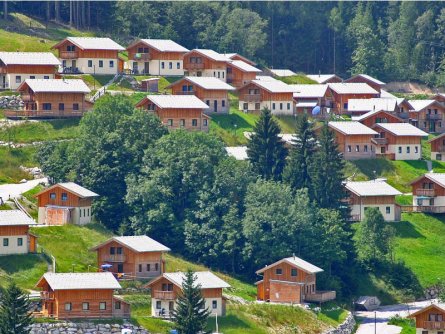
<point x="383" y="314"/>
<point x="15" y="190"/>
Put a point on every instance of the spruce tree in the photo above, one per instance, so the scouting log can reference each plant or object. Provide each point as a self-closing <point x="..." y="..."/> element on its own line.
<point x="297" y="172"/>
<point x="265" y="149"/>
<point x="190" y="315"/>
<point x="15" y="315"/>
<point x="327" y="173"/>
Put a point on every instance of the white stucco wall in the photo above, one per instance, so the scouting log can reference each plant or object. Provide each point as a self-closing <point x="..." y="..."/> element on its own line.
<point x="404" y="155"/>
<point x="430" y="331"/>
<point x="438" y="201"/>
<point x="360" y="210"/>
<point x="434" y="156"/>
<point x="155" y="67"/>
<point x="287" y="107"/>
<point x="11" y="78"/>
<point x="13" y="247"/>
<point x="217" y="73"/>
<point x="220" y="108"/>
<point x="82" y="65"/>
<point x="208" y="305"/>
<point x="82" y="216"/>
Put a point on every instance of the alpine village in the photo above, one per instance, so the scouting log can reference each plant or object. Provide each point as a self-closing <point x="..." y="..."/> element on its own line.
<point x="222" y="167"/>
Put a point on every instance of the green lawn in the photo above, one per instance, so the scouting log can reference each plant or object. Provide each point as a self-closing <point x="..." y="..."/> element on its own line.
<point x="299" y="78"/>
<point x="32" y="131"/>
<point x="10" y="161"/>
<point x="25" y="270"/>
<point x="404" y="199"/>
<point x="408" y="325"/>
<point x="94" y="82"/>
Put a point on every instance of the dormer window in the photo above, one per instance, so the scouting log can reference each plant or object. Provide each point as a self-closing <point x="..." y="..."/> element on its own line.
<point x="279" y="271"/>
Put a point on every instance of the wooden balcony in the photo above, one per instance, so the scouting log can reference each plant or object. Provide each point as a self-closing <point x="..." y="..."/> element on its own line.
<point x="320" y="296"/>
<point x="433" y="116"/>
<point x="46" y="295"/>
<point x="194" y="66"/>
<point x="186" y="92"/>
<point x="379" y="141"/>
<point x="114" y="258"/>
<point x="434" y="325"/>
<point x="69" y="54"/>
<point x="42" y="114"/>
<point x="425" y="192"/>
<point x="439" y="148"/>
<point x="424" y="209"/>
<point x="142" y="56"/>
<point x="164" y="295"/>
<point x="251" y="98"/>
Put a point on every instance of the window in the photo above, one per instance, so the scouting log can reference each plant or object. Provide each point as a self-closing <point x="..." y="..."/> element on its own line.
<point x="345" y="106"/>
<point x="18" y="79"/>
<point x="162" y="65"/>
<point x="64" y="63"/>
<point x="32" y="76"/>
<point x="182" y="122"/>
<point x="257" y="106"/>
<point x="223" y="103"/>
<point x="158" y="304"/>
<point x="118" y="249"/>
<point x="365" y="148"/>
<point x="178" y="65"/>
<point x="293" y="272"/>
<point x="46" y="77"/>
<point x="223" y="73"/>
<point x="85" y="306"/>
<point x="349" y="148"/>
<point x="46" y="106"/>
<point x="424" y="124"/>
<point x="61" y="106"/>
<point x="117" y="305"/>
<point x="20" y="242"/>
<point x="278" y="271"/>
<point x="246" y="106"/>
<point x="208" y="102"/>
<point x="170" y="65"/>
<point x="102" y="306"/>
<point x="156" y="266"/>
<point x="357" y="148"/>
<point x="194" y="122"/>
<point x="171" y="305"/>
<point x="111" y="63"/>
<point x="288" y="106"/>
<point x="5" y="242"/>
<point x="112" y="250"/>
<point x="52" y="196"/>
<point x="75" y="106"/>
<point x="281" y="106"/>
<point x="170" y="122"/>
<point x="68" y="307"/>
<point x="388" y="210"/>
<point x="148" y="267"/>
<point x="101" y="63"/>
<point x="416" y="149"/>
<point x="140" y="268"/>
<point x="64" y="196"/>
<point x="408" y="149"/>
<point x="204" y="122"/>
<point x="184" y="88"/>
<point x="90" y="63"/>
<point x="273" y="106"/>
<point x="214" y="304"/>
<point x="400" y="149"/>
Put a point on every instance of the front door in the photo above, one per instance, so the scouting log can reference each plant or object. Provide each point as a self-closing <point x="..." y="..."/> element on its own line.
<point x="432" y="126"/>
<point x="146" y="67"/>
<point x="120" y="268"/>
<point x="215" y="106"/>
<point x="74" y="64"/>
<point x="135" y="67"/>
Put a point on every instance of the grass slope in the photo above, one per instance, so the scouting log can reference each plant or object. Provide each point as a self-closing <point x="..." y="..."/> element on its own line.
<point x="298" y="78"/>
<point x="11" y="159"/>
<point x="25" y="270"/>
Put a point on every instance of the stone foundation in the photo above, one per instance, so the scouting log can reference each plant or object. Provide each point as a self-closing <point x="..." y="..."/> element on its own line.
<point x="83" y="328"/>
<point x="347" y="327"/>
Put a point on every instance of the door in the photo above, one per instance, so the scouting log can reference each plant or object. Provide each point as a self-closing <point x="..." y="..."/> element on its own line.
<point x="215" y="106"/>
<point x="146" y="67"/>
<point x="135" y="67"/>
<point x="120" y="268"/>
<point x="74" y="65"/>
<point x="432" y="126"/>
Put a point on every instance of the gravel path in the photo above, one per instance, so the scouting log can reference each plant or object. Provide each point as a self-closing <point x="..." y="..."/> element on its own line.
<point x="15" y="190"/>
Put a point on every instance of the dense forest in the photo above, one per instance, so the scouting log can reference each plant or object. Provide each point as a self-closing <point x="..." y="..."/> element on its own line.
<point x="390" y="40"/>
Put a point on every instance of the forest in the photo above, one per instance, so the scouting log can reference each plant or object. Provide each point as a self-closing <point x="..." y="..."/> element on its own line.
<point x="389" y="40"/>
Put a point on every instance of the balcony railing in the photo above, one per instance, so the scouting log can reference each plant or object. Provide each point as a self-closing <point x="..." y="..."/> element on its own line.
<point x="320" y="296"/>
<point x="439" y="148"/>
<point x="434" y="324"/>
<point x="194" y="66"/>
<point x="19" y="114"/>
<point x="425" y="209"/>
<point x="69" y="54"/>
<point x="114" y="258"/>
<point x="142" y="56"/>
<point x="46" y="295"/>
<point x="425" y="192"/>
<point x="434" y="116"/>
<point x="164" y="295"/>
<point x="182" y="92"/>
<point x="251" y="98"/>
<point x="379" y="141"/>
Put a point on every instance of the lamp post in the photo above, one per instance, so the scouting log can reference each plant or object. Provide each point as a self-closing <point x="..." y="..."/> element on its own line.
<point x="375" y="322"/>
<point x="94" y="79"/>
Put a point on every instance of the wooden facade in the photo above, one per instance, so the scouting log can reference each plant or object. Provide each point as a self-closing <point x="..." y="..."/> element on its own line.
<point x="437" y="145"/>
<point x="428" y="194"/>
<point x="340" y="104"/>
<point x="355" y="146"/>
<point x="197" y="61"/>
<point x="394" y="147"/>
<point x="361" y="79"/>
<point x="238" y="77"/>
<point x="59" y="196"/>
<point x="68" y="50"/>
<point x="12" y="232"/>
<point x="429" y="119"/>
<point x="430" y="320"/>
<point x="380" y="117"/>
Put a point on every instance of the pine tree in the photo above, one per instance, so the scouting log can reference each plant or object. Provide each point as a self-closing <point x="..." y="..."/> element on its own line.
<point x="190" y="315"/>
<point x="296" y="172"/>
<point x="265" y="149"/>
<point x="15" y="316"/>
<point x="327" y="172"/>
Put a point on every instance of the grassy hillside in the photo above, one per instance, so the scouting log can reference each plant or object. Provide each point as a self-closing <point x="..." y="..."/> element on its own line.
<point x="11" y="159"/>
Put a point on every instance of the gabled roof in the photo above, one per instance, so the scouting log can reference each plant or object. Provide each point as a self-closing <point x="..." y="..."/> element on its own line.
<point x="238" y="152"/>
<point x="243" y="66"/>
<point x="175" y="101"/>
<point x="92" y="43"/>
<point x="419" y="105"/>
<point x="55" y="86"/>
<point x="322" y="78"/>
<point x="272" y="86"/>
<point x="294" y="262"/>
<point x="233" y="55"/>
<point x="371" y="188"/>
<point x="438" y="178"/>
<point x="162" y="45"/>
<point x="282" y="72"/>
<point x="402" y="129"/>
<point x="437" y="137"/>
<point x="29" y="58"/>
<point x="71" y="187"/>
<point x="384" y="93"/>
<point x="80" y="281"/>
<point x="15" y="218"/>
<point x="372" y="104"/>
<point x="139" y="244"/>
<point x="352" y="88"/>
<point x="367" y="78"/>
<point x="265" y="78"/>
<point x="309" y="91"/>
<point x="427" y="308"/>
<point x="210" y="83"/>
<point x="205" y="279"/>
<point x="352" y="128"/>
<point x="372" y="113"/>
<point x="212" y="55"/>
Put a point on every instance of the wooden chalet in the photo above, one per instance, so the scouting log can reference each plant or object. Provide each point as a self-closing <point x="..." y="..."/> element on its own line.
<point x="367" y="79"/>
<point x="357" y="107"/>
<point x="166" y="289"/>
<point x="291" y="280"/>
<point x="324" y="78"/>
<point x="178" y="111"/>
<point x="156" y="57"/>
<point x="354" y="139"/>
<point x="373" y="194"/>
<point x="430" y="319"/>
<point x="212" y="91"/>
<point x="398" y="141"/>
<point x="15" y="237"/>
<point x="206" y="63"/>
<point x="342" y="92"/>
<point x="379" y="116"/>
<point x="240" y="73"/>
<point x="237" y="56"/>
<point x="81" y="295"/>
<point x="427" y="115"/>
<point x="134" y="256"/>
<point x="429" y="193"/>
<point x="307" y="97"/>
<point x="90" y="55"/>
<point x="65" y="203"/>
<point x="52" y="98"/>
<point x="402" y="105"/>
<point x="437" y="145"/>
<point x="272" y="94"/>
<point x="16" y="67"/>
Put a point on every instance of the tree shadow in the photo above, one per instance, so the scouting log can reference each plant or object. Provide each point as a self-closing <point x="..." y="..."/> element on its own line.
<point x="406" y="230"/>
<point x="12" y="264"/>
<point x="231" y="121"/>
<point x="373" y="168"/>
